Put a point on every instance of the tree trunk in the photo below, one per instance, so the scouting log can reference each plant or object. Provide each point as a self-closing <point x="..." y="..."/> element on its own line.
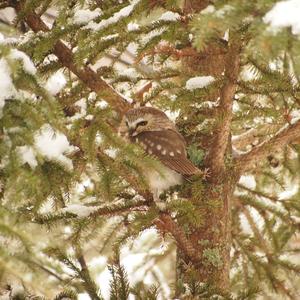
<point x="212" y="241"/>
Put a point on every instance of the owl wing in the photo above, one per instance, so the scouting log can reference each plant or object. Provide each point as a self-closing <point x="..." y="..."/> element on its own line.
<point x="169" y="147"/>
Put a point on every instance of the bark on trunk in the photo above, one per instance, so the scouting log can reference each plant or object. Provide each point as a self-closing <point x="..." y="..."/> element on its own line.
<point x="212" y="241"/>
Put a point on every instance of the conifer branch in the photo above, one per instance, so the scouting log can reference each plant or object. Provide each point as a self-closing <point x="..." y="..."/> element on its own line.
<point x="215" y="158"/>
<point x="85" y="73"/>
<point x="131" y="179"/>
<point x="104" y="211"/>
<point x="258" y="193"/>
<point x="256" y="232"/>
<point x="251" y="136"/>
<point x="166" y="223"/>
<point x="88" y="282"/>
<point x="46" y="270"/>
<point x="246" y="161"/>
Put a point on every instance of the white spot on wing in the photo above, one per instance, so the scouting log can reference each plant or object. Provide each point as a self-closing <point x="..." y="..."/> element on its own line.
<point x="164" y="152"/>
<point x="158" y="147"/>
<point x="178" y="151"/>
<point x="171" y="153"/>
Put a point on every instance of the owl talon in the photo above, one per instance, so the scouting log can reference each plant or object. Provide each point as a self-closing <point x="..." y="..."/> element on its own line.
<point x="206" y="173"/>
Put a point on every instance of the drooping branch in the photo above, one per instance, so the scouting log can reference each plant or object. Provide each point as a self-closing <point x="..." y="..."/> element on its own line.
<point x="85" y="73"/>
<point x="84" y="274"/>
<point x="215" y="157"/>
<point x="166" y="223"/>
<point x="246" y="161"/>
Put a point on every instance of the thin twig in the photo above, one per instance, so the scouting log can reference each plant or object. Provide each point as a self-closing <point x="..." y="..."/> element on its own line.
<point x="246" y="161"/>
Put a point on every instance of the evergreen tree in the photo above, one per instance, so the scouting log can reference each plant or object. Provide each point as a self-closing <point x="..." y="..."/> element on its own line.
<point x="73" y="197"/>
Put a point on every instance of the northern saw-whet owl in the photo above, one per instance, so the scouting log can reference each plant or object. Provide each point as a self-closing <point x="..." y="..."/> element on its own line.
<point x="157" y="134"/>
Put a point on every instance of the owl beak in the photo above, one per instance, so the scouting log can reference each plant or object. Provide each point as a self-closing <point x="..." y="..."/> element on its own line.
<point x="131" y="131"/>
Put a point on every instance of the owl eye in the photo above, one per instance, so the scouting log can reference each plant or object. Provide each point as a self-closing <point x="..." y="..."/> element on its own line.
<point x="142" y="123"/>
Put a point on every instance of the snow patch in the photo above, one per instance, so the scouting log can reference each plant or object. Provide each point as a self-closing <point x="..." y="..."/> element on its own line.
<point x="133" y="26"/>
<point x="27" y="155"/>
<point x="56" y="83"/>
<point x="235" y="107"/>
<point x="27" y="63"/>
<point x="7" y="40"/>
<point x="79" y="210"/>
<point x="129" y="72"/>
<point x="53" y="145"/>
<point x="83" y="16"/>
<point x="124" y="12"/>
<point x="199" y="82"/>
<point x="295" y="116"/>
<point x="101" y="104"/>
<point x="226" y="35"/>
<point x="169" y="16"/>
<point x="152" y="34"/>
<point x="84" y="296"/>
<point x="7" y="87"/>
<point x="284" y="14"/>
<point x="248" y="74"/>
<point x="289" y="193"/>
<point x="92" y="96"/>
<point x="172" y="115"/>
<point x="248" y="181"/>
<point x="111" y="152"/>
<point x="82" y="103"/>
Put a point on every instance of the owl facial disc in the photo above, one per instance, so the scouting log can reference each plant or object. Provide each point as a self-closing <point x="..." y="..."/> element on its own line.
<point x="134" y="125"/>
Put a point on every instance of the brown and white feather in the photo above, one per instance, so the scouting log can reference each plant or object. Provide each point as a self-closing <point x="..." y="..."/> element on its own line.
<point x="157" y="134"/>
<point x="169" y="147"/>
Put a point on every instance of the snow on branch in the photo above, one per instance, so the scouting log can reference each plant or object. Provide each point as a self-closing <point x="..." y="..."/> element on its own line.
<point x="284" y="14"/>
<point x="54" y="145"/>
<point x="81" y="211"/>
<point x="8" y="89"/>
<point x="199" y="82"/>
<point x="122" y="13"/>
<point x="86" y="74"/>
<point x="83" y="16"/>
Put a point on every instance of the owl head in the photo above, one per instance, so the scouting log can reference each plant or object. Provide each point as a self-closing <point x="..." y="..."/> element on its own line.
<point x="142" y="119"/>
